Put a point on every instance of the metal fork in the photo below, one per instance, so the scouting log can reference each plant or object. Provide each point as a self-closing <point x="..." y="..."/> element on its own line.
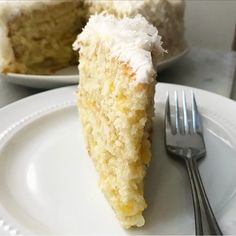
<point x="184" y="139"/>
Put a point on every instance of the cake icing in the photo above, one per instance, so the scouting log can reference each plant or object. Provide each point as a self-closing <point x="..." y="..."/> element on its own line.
<point x="128" y="40"/>
<point x="147" y="8"/>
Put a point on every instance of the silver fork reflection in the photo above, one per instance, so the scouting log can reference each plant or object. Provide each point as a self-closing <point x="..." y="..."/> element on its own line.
<point x="184" y="140"/>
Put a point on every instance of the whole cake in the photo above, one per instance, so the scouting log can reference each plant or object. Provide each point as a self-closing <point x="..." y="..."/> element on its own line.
<point x="115" y="100"/>
<point x="36" y="36"/>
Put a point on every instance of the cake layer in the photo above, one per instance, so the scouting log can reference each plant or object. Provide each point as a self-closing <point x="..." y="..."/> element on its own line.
<point x="36" y="37"/>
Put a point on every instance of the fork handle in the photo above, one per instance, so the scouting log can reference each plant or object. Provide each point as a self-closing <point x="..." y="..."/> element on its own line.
<point x="205" y="221"/>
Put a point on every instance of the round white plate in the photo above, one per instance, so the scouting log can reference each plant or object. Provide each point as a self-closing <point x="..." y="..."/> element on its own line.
<point x="68" y="76"/>
<point x="48" y="184"/>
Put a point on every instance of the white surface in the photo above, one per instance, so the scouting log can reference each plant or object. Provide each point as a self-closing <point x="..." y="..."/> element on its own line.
<point x="211" y="70"/>
<point x="48" y="184"/>
<point x="11" y="92"/>
<point x="210" y="23"/>
<point x="68" y="76"/>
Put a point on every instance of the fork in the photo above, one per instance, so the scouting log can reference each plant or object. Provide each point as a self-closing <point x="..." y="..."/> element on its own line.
<point x="184" y="139"/>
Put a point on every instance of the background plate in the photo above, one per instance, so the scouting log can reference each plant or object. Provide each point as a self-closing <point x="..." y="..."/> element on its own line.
<point x="48" y="185"/>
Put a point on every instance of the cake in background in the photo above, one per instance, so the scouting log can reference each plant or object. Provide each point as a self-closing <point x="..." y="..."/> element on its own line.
<point x="36" y="36"/>
<point x="115" y="100"/>
<point x="166" y="15"/>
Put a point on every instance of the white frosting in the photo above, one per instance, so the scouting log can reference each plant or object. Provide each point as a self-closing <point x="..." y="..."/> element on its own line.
<point x="120" y="6"/>
<point x="128" y="7"/>
<point x="133" y="6"/>
<point x="148" y="8"/>
<point x="131" y="40"/>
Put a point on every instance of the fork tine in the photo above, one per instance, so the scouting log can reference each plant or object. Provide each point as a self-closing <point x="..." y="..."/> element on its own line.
<point x="196" y="119"/>
<point x="177" y="116"/>
<point x="186" y="126"/>
<point x="167" y="115"/>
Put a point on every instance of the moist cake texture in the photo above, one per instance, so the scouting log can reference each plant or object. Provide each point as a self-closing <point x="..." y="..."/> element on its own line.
<point x="115" y="101"/>
<point x="36" y="36"/>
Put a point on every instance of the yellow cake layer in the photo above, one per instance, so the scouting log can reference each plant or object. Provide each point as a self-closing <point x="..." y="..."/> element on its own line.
<point x="41" y="39"/>
<point x="116" y="119"/>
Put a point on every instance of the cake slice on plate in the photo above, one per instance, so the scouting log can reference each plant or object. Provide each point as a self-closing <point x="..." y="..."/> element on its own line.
<point x="115" y="101"/>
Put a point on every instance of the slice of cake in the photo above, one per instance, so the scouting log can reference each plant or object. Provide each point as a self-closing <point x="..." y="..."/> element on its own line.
<point x="115" y="101"/>
<point x="166" y="15"/>
<point x="36" y="36"/>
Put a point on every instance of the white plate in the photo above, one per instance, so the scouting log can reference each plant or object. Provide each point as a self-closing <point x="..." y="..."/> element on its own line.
<point x="48" y="185"/>
<point x="68" y="76"/>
